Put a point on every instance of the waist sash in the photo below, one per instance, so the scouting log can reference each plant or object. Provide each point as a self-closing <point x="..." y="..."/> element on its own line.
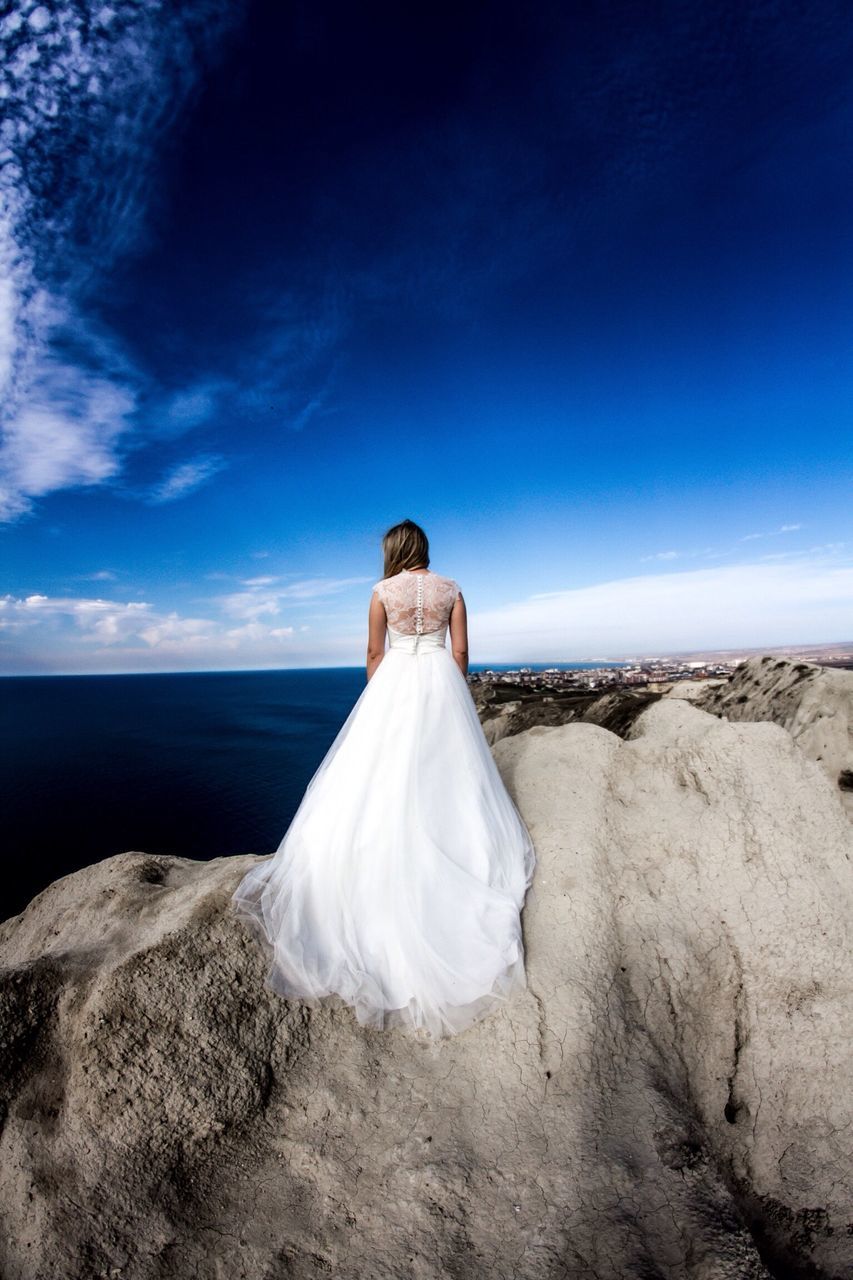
<point x="422" y="642"/>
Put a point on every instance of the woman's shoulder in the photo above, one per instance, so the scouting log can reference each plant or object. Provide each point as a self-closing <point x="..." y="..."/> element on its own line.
<point x="445" y="583"/>
<point x="450" y="583"/>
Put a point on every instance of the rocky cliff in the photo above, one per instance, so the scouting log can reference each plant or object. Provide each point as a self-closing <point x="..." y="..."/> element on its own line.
<point x="669" y="1098"/>
<point x="815" y="705"/>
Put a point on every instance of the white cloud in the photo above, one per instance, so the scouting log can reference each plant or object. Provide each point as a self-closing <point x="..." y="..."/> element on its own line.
<point x="248" y="604"/>
<point x="255" y="631"/>
<point x="806" y="598"/>
<point x="662" y="555"/>
<point x="186" y="477"/>
<point x="86" y="95"/>
<point x="47" y="448"/>
<point x="106" y="621"/>
<point x="90" y="633"/>
<point x="177" y="633"/>
<point x="62" y="421"/>
<point x="317" y="588"/>
<point x="799" y="599"/>
<point x="96" y="634"/>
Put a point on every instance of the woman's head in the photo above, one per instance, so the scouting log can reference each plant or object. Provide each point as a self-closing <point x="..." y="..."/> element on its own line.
<point x="405" y="546"/>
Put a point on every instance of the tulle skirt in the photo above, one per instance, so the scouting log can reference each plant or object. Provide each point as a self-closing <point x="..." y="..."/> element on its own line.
<point x="398" y="885"/>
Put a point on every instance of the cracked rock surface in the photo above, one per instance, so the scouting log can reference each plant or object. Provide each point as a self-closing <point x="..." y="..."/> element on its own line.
<point x="670" y="1097"/>
<point x="814" y="703"/>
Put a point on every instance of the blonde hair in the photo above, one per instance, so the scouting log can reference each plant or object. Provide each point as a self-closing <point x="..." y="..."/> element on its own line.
<point x="404" y="546"/>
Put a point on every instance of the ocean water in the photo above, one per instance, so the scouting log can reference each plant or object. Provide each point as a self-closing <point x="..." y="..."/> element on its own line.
<point x="198" y="764"/>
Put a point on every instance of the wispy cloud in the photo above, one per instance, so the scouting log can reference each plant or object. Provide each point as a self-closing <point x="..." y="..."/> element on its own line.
<point x="287" y="375"/>
<point x="680" y="555"/>
<point x="822" y="548"/>
<point x="175" y="414"/>
<point x="318" y="588"/>
<point x="771" y="533"/>
<point x="87" y="90"/>
<point x="186" y="477"/>
<point x="317" y="405"/>
<point x="265" y="596"/>
<point x="64" y="421"/>
<point x="711" y="552"/>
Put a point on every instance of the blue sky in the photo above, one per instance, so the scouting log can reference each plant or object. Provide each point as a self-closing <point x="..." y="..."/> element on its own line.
<point x="569" y="285"/>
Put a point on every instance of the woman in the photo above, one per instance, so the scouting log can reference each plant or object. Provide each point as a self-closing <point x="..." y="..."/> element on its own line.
<point x="399" y="882"/>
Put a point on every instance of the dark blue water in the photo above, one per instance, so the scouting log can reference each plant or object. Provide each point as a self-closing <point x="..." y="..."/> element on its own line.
<point x="198" y="764"/>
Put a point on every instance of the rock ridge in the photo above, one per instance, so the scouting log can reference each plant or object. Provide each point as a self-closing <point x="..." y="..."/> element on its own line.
<point x="669" y="1096"/>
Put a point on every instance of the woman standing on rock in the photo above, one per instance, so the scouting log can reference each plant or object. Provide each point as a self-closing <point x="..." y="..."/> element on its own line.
<point x="399" y="883"/>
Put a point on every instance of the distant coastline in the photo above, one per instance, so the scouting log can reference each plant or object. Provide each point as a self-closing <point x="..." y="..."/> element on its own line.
<point x="719" y="662"/>
<point x="652" y="672"/>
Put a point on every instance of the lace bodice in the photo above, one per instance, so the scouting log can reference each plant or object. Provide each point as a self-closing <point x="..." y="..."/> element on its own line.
<point x="417" y="603"/>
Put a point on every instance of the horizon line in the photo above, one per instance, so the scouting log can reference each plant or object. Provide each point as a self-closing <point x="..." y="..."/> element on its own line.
<point x="601" y="662"/>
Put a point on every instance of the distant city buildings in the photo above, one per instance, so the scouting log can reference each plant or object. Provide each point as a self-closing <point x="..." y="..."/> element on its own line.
<point x="645" y="673"/>
<point x="651" y="672"/>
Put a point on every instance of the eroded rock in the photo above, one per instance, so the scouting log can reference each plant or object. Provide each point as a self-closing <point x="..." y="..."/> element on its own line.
<point x="670" y="1097"/>
<point x="814" y="703"/>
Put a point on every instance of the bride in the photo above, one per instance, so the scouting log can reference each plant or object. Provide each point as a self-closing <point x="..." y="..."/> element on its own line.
<point x="399" y="882"/>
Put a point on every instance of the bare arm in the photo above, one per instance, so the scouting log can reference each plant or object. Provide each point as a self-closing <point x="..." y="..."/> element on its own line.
<point x="376" y="629"/>
<point x="459" y="634"/>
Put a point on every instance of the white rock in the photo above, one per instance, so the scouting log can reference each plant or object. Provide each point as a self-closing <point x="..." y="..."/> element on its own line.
<point x="670" y="1097"/>
<point x="814" y="703"/>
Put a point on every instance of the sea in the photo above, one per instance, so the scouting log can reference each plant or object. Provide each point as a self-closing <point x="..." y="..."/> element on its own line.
<point x="196" y="764"/>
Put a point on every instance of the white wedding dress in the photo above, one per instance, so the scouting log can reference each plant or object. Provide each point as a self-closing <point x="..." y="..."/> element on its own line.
<point x="399" y="882"/>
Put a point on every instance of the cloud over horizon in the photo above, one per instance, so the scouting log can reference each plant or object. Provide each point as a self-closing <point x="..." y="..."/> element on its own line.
<point x="806" y="599"/>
